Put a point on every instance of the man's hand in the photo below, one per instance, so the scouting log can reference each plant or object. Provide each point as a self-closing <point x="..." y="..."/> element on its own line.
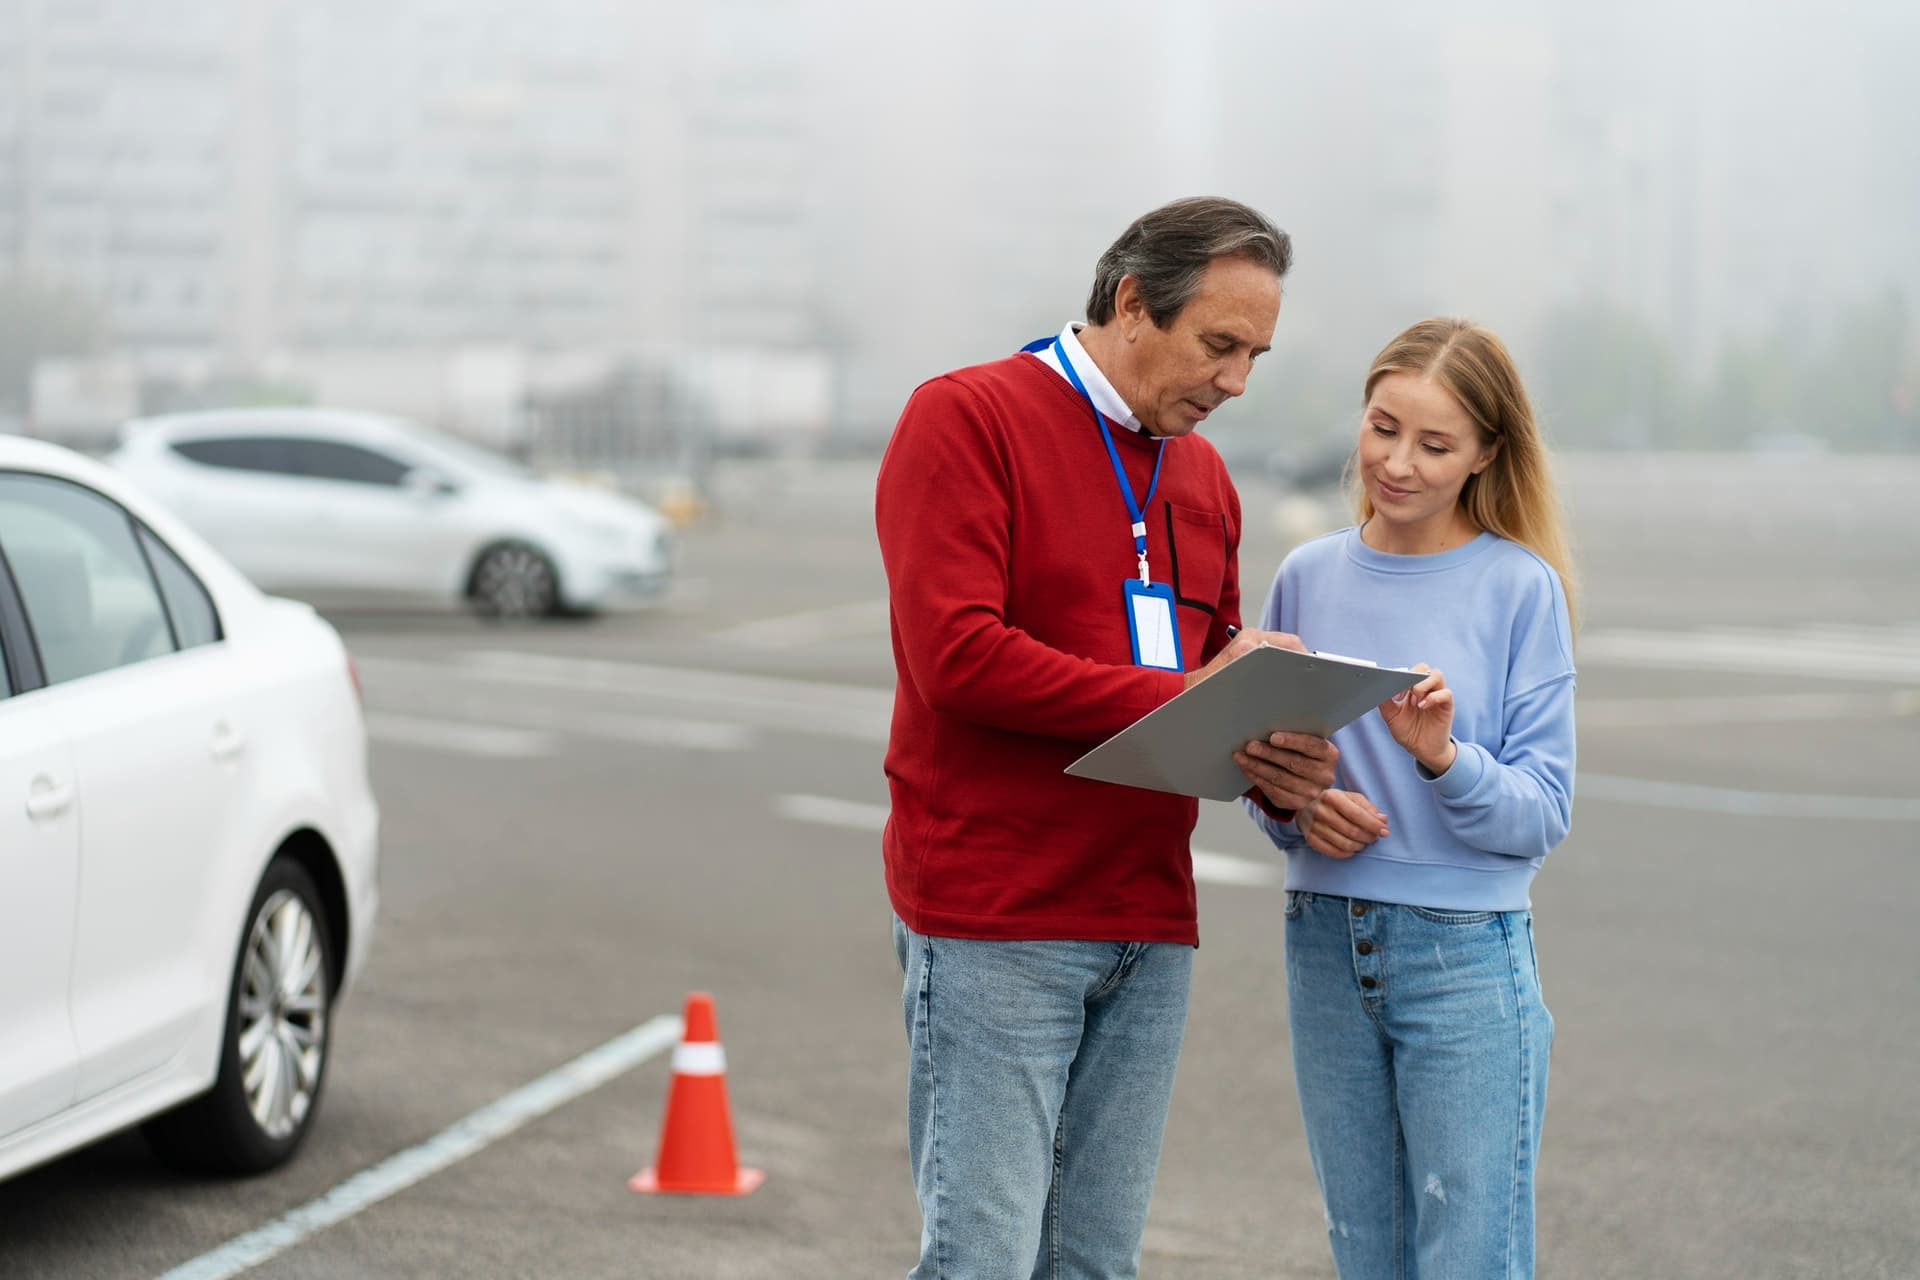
<point x="1291" y="769"/>
<point x="1241" y="645"/>
<point x="1341" y="823"/>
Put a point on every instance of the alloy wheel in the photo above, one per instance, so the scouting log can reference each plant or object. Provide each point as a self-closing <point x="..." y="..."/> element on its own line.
<point x="283" y="1014"/>
<point x="515" y="582"/>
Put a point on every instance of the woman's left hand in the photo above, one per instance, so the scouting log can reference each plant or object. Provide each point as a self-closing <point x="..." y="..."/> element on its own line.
<point x="1421" y="720"/>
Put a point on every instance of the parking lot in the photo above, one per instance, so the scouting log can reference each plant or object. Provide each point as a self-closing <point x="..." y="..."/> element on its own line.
<point x="585" y="820"/>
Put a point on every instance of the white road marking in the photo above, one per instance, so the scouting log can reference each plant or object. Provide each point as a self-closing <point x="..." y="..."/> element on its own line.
<point x="832" y="710"/>
<point x="826" y="811"/>
<point x="1779" y="708"/>
<point x="539" y="737"/>
<point x="863" y="713"/>
<point x="1220" y="868"/>
<point x="491" y="741"/>
<point x="1224" y="868"/>
<point x="487" y="1125"/>
<point x="1210" y="868"/>
<point x="691" y="735"/>
<point x="1833" y="651"/>
<point x="815" y="626"/>
<point x="535" y="733"/>
<point x="1743" y="804"/>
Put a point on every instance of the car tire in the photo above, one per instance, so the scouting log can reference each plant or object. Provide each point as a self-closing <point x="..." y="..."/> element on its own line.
<point x="514" y="580"/>
<point x="277" y="1040"/>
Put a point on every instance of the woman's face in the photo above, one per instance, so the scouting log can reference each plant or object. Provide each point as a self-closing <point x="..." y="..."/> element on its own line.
<point x="1417" y="448"/>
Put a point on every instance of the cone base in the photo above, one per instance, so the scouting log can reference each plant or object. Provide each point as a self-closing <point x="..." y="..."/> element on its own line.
<point x="647" y="1182"/>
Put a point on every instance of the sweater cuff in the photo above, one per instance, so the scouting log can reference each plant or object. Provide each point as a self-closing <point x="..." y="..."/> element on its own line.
<point x="1258" y="798"/>
<point x="1462" y="776"/>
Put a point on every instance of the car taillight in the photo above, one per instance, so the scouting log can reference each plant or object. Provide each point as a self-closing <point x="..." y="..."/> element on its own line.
<point x="353" y="674"/>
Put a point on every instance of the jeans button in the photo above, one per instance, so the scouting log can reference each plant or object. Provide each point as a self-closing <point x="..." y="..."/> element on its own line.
<point x="1359" y="908"/>
<point x="1364" y="948"/>
<point x="1369" y="983"/>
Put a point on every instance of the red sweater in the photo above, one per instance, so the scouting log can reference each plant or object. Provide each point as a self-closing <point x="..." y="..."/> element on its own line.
<point x="1005" y="541"/>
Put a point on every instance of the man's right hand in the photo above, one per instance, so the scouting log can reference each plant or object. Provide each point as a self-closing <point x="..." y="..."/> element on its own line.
<point x="1241" y="645"/>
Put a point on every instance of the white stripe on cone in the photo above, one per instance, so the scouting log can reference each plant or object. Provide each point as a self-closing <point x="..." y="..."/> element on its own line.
<point x="699" y="1059"/>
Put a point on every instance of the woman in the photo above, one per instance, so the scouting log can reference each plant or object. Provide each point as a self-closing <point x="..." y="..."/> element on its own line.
<point x="1420" y="1039"/>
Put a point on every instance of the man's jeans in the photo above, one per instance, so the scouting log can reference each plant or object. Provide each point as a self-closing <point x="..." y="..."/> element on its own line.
<point x="1420" y="1045"/>
<point x="1037" y="1091"/>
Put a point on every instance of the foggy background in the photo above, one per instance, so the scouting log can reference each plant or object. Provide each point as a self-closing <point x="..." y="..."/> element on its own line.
<point x="623" y="234"/>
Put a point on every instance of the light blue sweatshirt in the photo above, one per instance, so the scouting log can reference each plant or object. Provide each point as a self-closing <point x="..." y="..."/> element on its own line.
<point x="1491" y="616"/>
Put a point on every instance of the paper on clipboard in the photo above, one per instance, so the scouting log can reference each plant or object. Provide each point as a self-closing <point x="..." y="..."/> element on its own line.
<point x="1186" y="745"/>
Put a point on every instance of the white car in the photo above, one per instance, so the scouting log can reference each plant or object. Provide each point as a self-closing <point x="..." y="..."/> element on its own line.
<point x="188" y="841"/>
<point x="311" y="500"/>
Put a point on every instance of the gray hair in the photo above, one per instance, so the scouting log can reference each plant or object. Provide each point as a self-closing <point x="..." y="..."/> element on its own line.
<point x="1168" y="250"/>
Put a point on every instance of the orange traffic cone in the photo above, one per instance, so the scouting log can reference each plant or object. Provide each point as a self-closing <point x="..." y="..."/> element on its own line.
<point x="696" y="1138"/>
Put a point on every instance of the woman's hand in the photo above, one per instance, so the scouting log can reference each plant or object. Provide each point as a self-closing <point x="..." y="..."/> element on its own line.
<point x="1421" y="720"/>
<point x="1341" y="823"/>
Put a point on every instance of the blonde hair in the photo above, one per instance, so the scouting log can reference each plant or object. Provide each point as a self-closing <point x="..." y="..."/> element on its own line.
<point x="1514" y="496"/>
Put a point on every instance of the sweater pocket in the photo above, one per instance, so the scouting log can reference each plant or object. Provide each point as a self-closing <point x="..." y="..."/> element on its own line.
<point x="1197" y="546"/>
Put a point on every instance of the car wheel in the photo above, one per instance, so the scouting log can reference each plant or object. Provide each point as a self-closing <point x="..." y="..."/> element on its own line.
<point x="514" y="580"/>
<point x="273" y="1058"/>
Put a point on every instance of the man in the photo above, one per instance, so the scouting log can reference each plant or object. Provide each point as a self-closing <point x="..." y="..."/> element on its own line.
<point x="1061" y="555"/>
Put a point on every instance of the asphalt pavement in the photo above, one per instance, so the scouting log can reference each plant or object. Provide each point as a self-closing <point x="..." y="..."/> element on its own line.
<point x="585" y="820"/>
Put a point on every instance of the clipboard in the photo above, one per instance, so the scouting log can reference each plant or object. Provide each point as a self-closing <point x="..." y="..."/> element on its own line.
<point x="1186" y="745"/>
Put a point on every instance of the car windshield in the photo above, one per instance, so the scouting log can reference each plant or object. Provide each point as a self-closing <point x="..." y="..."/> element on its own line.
<point x="471" y="457"/>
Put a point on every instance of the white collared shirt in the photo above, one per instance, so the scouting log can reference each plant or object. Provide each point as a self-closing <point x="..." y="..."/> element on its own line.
<point x="1105" y="398"/>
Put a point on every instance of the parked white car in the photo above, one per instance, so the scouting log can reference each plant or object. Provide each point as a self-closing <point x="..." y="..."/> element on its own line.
<point x="309" y="500"/>
<point x="187" y="836"/>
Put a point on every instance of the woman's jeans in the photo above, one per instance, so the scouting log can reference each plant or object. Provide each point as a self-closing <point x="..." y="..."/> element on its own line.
<point x="1037" y="1092"/>
<point x="1420" y="1045"/>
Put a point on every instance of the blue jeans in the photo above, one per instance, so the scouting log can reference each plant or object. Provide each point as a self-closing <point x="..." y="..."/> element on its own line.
<point x="1420" y="1046"/>
<point x="1036" y="1096"/>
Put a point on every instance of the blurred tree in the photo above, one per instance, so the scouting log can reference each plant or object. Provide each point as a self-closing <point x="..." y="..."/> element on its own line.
<point x="40" y="319"/>
<point x="1757" y="392"/>
<point x="1851" y="396"/>
<point x="1602" y="377"/>
<point x="1906" y="402"/>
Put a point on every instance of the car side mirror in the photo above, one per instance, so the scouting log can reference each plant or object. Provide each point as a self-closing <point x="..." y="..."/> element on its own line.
<point x="425" y="482"/>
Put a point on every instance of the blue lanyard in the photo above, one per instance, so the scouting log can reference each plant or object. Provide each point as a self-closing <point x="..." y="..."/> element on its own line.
<point x="1135" y="510"/>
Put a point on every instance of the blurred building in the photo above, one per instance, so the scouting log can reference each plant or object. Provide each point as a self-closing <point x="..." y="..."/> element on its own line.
<point x="450" y="208"/>
<point x="774" y="218"/>
<point x="119" y="173"/>
<point x="451" y="171"/>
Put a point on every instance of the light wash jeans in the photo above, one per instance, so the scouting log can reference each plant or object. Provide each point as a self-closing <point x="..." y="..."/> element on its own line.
<point x="1420" y="1046"/>
<point x="1037" y="1092"/>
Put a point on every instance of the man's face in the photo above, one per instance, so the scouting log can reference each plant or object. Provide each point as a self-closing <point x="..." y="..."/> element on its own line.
<point x="1174" y="377"/>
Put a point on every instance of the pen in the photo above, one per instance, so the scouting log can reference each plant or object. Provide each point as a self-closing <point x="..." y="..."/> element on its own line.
<point x="1232" y="631"/>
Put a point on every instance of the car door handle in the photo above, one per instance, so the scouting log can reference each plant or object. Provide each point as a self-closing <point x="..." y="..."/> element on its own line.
<point x="227" y="742"/>
<point x="47" y="799"/>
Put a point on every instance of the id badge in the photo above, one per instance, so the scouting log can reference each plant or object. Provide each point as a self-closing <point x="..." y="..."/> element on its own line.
<point x="1156" y="641"/>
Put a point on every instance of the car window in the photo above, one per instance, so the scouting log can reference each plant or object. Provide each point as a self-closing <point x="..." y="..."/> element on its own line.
<point x="90" y="599"/>
<point x="195" y="620"/>
<point x="303" y="456"/>
<point x="332" y="460"/>
<point x="19" y="665"/>
<point x="238" y="453"/>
